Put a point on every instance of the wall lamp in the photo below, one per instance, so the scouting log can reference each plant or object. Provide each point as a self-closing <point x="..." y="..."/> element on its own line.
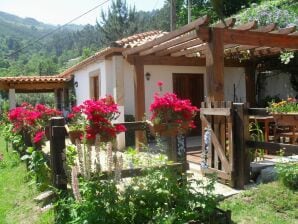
<point x="148" y="76"/>
<point x="76" y="84"/>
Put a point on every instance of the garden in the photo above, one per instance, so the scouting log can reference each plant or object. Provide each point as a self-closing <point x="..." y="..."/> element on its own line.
<point x="107" y="185"/>
<point x="97" y="191"/>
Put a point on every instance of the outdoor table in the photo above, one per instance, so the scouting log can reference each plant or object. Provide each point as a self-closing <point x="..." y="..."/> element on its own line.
<point x="266" y="120"/>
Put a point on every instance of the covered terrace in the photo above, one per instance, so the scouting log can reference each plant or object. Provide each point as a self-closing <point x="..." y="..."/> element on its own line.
<point x="214" y="46"/>
<point x="37" y="84"/>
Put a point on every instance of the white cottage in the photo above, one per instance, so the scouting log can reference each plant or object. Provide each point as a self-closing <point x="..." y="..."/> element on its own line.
<point x="108" y="72"/>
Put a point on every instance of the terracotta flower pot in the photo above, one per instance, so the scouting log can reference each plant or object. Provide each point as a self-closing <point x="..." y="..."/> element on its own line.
<point x="73" y="135"/>
<point x="170" y="129"/>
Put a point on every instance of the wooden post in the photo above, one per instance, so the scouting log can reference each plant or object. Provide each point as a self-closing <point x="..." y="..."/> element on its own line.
<point x="139" y="87"/>
<point x="241" y="151"/>
<point x="250" y="84"/>
<point x="57" y="151"/>
<point x="12" y="98"/>
<point x="215" y="65"/>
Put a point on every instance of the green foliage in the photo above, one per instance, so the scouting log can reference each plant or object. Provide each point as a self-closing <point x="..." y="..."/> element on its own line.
<point x="286" y="56"/>
<point x="268" y="203"/>
<point x="272" y="11"/>
<point x="215" y="9"/>
<point x="288" y="174"/>
<point x="159" y="197"/>
<point x="47" y="99"/>
<point x="38" y="168"/>
<point x="71" y="155"/>
<point x="256" y="134"/>
<point x="17" y="194"/>
<point x="118" y="22"/>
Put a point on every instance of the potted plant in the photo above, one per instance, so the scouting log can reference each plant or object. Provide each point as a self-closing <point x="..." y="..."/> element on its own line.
<point x="94" y="117"/>
<point x="171" y="115"/>
<point x="285" y="112"/>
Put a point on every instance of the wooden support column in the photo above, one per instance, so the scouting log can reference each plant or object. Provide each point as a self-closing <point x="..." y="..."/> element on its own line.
<point x="12" y="98"/>
<point x="139" y="90"/>
<point x="241" y="154"/>
<point x="250" y="84"/>
<point x="57" y="152"/>
<point x="215" y="65"/>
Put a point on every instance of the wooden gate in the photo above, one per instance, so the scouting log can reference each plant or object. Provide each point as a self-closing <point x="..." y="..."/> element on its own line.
<point x="217" y="122"/>
<point x="227" y="151"/>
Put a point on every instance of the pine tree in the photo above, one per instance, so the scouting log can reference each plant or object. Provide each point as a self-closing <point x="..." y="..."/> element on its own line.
<point x="118" y="22"/>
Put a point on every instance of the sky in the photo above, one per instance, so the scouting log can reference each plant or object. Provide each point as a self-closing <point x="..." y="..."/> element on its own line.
<point x="62" y="11"/>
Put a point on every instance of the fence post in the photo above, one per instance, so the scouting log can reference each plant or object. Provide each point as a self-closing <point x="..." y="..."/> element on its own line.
<point x="57" y="151"/>
<point x="241" y="151"/>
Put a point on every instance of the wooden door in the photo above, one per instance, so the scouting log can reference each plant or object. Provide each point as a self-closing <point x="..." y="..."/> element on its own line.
<point x="190" y="86"/>
<point x="94" y="82"/>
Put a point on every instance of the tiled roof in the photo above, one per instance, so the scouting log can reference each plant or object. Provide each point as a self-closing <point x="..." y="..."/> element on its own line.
<point x="30" y="79"/>
<point x="116" y="47"/>
<point x="138" y="39"/>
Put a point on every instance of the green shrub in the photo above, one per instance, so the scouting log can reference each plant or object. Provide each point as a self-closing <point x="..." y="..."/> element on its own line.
<point x="161" y="196"/>
<point x="288" y="174"/>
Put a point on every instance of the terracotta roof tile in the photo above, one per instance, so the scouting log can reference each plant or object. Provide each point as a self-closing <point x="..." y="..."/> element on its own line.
<point x="24" y="79"/>
<point x="138" y="39"/>
<point x="116" y="47"/>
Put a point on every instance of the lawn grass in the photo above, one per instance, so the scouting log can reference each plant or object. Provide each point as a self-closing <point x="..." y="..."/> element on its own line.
<point x="16" y="193"/>
<point x="268" y="203"/>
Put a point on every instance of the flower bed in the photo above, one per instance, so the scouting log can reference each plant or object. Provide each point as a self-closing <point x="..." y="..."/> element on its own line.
<point x="30" y="121"/>
<point x="285" y="106"/>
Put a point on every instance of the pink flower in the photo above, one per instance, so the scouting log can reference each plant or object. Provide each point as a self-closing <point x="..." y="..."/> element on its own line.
<point x="160" y="83"/>
<point x="38" y="136"/>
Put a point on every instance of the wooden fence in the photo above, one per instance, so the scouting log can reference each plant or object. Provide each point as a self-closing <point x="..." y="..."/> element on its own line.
<point x="58" y="136"/>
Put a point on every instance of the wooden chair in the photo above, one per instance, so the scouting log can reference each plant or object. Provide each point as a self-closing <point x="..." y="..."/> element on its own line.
<point x="285" y="128"/>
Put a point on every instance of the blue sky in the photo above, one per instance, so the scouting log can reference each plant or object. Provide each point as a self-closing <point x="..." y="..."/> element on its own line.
<point x="62" y="11"/>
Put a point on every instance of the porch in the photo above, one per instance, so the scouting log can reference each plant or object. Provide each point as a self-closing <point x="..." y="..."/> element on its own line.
<point x="217" y="46"/>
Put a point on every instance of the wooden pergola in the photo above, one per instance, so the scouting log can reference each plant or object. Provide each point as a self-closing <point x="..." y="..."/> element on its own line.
<point x="214" y="46"/>
<point x="36" y="84"/>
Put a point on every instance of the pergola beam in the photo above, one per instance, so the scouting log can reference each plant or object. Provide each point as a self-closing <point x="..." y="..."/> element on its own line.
<point x="187" y="28"/>
<point x="259" y="39"/>
<point x="180" y="61"/>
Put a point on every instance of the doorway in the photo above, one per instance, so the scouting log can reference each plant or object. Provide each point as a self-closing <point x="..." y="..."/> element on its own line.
<point x="190" y="86"/>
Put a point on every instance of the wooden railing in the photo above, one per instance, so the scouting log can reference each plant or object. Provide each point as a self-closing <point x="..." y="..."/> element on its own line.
<point x="58" y="136"/>
<point x="271" y="147"/>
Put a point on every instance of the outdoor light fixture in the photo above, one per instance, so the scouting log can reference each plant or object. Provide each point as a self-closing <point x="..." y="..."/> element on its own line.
<point x="148" y="75"/>
<point x="76" y="84"/>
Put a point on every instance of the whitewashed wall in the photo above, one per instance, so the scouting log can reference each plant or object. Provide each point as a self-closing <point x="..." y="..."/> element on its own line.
<point x="83" y="78"/>
<point x="158" y="73"/>
<point x="164" y="73"/>
<point x="235" y="76"/>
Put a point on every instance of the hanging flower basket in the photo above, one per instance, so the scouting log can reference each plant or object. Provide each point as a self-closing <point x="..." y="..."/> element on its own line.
<point x="76" y="134"/>
<point x="169" y="129"/>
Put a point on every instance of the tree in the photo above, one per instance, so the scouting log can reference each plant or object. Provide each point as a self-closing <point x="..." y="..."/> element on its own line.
<point x="118" y="22"/>
<point x="215" y="9"/>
